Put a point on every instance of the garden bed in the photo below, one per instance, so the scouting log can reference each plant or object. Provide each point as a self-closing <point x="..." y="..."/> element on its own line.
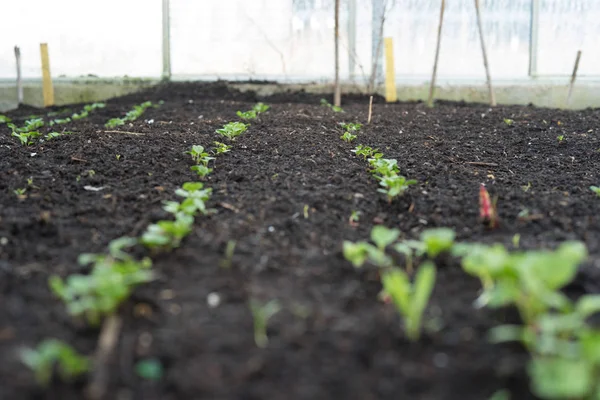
<point x="284" y="194"/>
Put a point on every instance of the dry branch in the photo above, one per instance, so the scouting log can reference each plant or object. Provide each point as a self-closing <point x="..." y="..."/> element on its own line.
<point x="573" y="77"/>
<point x="109" y="336"/>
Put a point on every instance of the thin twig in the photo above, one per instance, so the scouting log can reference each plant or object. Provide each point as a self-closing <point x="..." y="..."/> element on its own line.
<point x="485" y="59"/>
<point x="109" y="336"/>
<point x="437" y="54"/>
<point x="573" y="77"/>
<point x="337" y="97"/>
<point x="370" y="110"/>
<point x="482" y="164"/>
<point x="78" y="159"/>
<point x="19" y="78"/>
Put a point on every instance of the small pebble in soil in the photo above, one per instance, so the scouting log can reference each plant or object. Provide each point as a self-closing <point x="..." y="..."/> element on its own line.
<point x="213" y="300"/>
<point x="271" y="229"/>
<point x="3" y="241"/>
<point x="440" y="360"/>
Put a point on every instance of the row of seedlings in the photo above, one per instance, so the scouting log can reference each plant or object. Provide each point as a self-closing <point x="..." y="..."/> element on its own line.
<point x="95" y="297"/>
<point x="558" y="332"/>
<point x="30" y="131"/>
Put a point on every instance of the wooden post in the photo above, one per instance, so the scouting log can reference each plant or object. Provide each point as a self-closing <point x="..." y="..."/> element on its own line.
<point x="485" y="60"/>
<point x="48" y="89"/>
<point x="337" y="97"/>
<point x="390" y="73"/>
<point x="166" y="39"/>
<point x="573" y="77"/>
<point x="370" y="110"/>
<point x="19" y="76"/>
<point x="437" y="54"/>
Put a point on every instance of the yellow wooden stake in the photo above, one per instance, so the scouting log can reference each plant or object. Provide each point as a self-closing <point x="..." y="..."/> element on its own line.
<point x="48" y="88"/>
<point x="390" y="73"/>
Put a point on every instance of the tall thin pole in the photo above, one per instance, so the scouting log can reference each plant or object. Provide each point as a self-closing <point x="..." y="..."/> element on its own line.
<point x="351" y="37"/>
<point x="166" y="40"/>
<point x="485" y="59"/>
<point x="337" y="98"/>
<point x="573" y="77"/>
<point x="19" y="76"/>
<point x="533" y="37"/>
<point x="437" y="55"/>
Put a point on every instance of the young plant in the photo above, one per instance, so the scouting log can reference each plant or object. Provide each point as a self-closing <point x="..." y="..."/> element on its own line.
<point x="360" y="252"/>
<point x="199" y="155"/>
<point x="384" y="167"/>
<point x="595" y="189"/>
<point x="168" y="235"/>
<point x="410" y="300"/>
<point x="560" y="138"/>
<point x="195" y="198"/>
<point x="508" y="121"/>
<point x="487" y="208"/>
<point x="394" y="185"/>
<point x="52" y="135"/>
<point x="247" y="115"/>
<point x="20" y="191"/>
<point x="348" y="137"/>
<point x="4" y="119"/>
<point x="260" y="108"/>
<point x="81" y="115"/>
<point x="114" y="122"/>
<point x="202" y="170"/>
<point x="351" y="127"/>
<point x="366" y="152"/>
<point x="51" y="355"/>
<point x="325" y="103"/>
<point x="59" y="121"/>
<point x="232" y="130"/>
<point x="261" y="314"/>
<point x="221" y="148"/>
<point x="354" y="217"/>
<point x="111" y="281"/>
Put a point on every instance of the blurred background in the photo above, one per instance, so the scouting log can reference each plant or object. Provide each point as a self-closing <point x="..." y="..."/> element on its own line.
<point x="529" y="42"/>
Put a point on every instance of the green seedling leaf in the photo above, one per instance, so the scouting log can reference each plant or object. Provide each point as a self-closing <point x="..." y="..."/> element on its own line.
<point x="261" y="315"/>
<point x="356" y="253"/>
<point x="437" y="240"/>
<point x="232" y="130"/>
<point x="558" y="378"/>
<point x="202" y="170"/>
<point x="260" y="108"/>
<point x="150" y="369"/>
<point x="4" y="119"/>
<point x="50" y="353"/>
<point x="595" y="189"/>
<point x="383" y="237"/>
<point x="247" y="115"/>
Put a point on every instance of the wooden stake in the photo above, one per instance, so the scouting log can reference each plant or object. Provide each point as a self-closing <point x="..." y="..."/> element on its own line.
<point x="109" y="337"/>
<point x="573" y="77"/>
<point x="48" y="89"/>
<point x="390" y="73"/>
<point x="437" y="54"/>
<point x="485" y="59"/>
<point x="337" y="97"/>
<point x="19" y="77"/>
<point x="370" y="110"/>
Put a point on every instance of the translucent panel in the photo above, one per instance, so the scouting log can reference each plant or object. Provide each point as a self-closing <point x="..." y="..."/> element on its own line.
<point x="565" y="27"/>
<point x="103" y="38"/>
<point x="413" y="24"/>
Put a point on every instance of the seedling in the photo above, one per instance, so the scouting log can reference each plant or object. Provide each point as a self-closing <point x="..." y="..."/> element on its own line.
<point x="202" y="170"/>
<point x="53" y="353"/>
<point x="229" y="250"/>
<point x="82" y="115"/>
<point x="394" y="185"/>
<point x="4" y="119"/>
<point x="232" y="130"/>
<point x="325" y="103"/>
<point x="305" y="211"/>
<point x="118" y="157"/>
<point x="526" y="187"/>
<point x="247" y="115"/>
<point x="114" y="122"/>
<point x="595" y="189"/>
<point x="508" y="121"/>
<point x="60" y="121"/>
<point x="384" y="167"/>
<point x="199" y="155"/>
<point x="195" y="197"/>
<point x="260" y="108"/>
<point x="354" y="217"/>
<point x="261" y="314"/>
<point x="150" y="369"/>
<point x="560" y="138"/>
<point x="52" y="135"/>
<point x="20" y="191"/>
<point x="351" y="127"/>
<point x="358" y="253"/>
<point x="168" y="234"/>
<point x="221" y="148"/>
<point x="111" y="281"/>
<point x="367" y="152"/>
<point x="348" y="137"/>
<point x="410" y="300"/>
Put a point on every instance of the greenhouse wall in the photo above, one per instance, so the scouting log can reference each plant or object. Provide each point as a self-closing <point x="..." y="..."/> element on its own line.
<point x="528" y="41"/>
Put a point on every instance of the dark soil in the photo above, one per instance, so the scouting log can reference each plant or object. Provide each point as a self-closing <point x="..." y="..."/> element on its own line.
<point x="333" y="339"/>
